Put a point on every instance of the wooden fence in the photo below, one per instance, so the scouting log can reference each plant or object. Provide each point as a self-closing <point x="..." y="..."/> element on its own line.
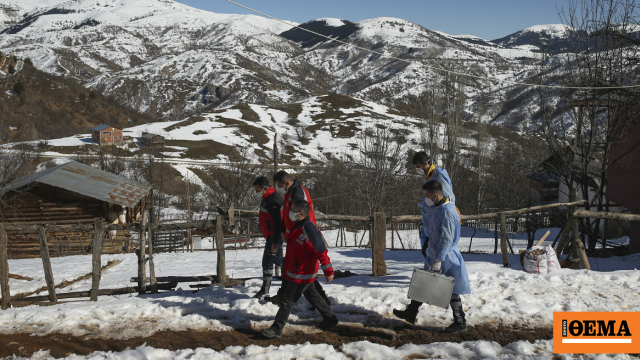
<point x="378" y="225"/>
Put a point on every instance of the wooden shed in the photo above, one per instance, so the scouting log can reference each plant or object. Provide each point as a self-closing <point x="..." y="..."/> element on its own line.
<point x="544" y="187"/>
<point x="70" y="194"/>
<point x="152" y="141"/>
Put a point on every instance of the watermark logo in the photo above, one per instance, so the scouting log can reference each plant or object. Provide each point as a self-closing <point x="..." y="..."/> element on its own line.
<point x="596" y="332"/>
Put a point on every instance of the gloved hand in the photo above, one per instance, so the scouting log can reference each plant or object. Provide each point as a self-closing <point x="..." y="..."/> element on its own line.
<point x="437" y="266"/>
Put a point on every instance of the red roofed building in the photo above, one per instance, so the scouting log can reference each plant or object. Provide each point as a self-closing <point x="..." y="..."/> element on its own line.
<point x="106" y="135"/>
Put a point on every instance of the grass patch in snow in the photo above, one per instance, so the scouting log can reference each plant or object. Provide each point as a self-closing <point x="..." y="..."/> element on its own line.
<point x="190" y="121"/>
<point x="205" y="149"/>
<point x="248" y="113"/>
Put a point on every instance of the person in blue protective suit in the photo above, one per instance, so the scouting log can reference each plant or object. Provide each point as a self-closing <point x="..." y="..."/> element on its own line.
<point x="443" y="255"/>
<point x="425" y="167"/>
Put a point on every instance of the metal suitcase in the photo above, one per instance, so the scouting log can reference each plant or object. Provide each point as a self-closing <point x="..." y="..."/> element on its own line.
<point x="431" y="288"/>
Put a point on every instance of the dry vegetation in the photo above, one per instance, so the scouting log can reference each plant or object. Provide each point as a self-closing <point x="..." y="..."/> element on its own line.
<point x="45" y="106"/>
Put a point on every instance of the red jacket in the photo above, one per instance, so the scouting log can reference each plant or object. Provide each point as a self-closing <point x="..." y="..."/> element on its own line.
<point x="304" y="249"/>
<point x="270" y="214"/>
<point x="296" y="191"/>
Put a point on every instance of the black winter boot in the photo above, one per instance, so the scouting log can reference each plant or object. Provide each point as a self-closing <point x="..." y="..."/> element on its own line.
<point x="266" y="285"/>
<point x="328" y="323"/>
<point x="410" y="313"/>
<point x="459" y="320"/>
<point x="270" y="333"/>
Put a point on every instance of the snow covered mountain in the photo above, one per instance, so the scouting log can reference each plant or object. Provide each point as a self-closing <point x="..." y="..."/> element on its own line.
<point x="172" y="61"/>
<point x="551" y="38"/>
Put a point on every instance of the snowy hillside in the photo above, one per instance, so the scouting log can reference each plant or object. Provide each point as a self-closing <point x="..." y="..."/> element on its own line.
<point x="317" y="129"/>
<point x="157" y="55"/>
<point x="549" y="38"/>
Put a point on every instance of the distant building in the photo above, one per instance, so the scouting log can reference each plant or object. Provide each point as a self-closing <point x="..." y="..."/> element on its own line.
<point x="152" y="141"/>
<point x="548" y="187"/>
<point x="544" y="187"/>
<point x="106" y="135"/>
<point x="624" y="177"/>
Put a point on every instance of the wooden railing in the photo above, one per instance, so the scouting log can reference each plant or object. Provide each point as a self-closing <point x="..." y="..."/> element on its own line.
<point x="378" y="224"/>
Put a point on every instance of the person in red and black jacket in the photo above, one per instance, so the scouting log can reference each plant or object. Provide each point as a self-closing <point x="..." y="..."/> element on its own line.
<point x="304" y="249"/>
<point x="271" y="228"/>
<point x="293" y="190"/>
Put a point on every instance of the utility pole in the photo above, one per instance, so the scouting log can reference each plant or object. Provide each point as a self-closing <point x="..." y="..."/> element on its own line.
<point x="275" y="154"/>
<point x="190" y="236"/>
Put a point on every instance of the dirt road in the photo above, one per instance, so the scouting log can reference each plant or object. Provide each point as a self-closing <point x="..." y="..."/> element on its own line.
<point x="62" y="345"/>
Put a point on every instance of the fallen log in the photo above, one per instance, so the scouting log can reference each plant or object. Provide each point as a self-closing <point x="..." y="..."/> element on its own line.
<point x="159" y="279"/>
<point x="87" y="294"/>
<point x="605" y="215"/>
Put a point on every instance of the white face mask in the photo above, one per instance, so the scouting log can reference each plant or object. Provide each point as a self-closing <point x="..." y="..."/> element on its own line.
<point x="419" y="171"/>
<point x="281" y="190"/>
<point x="429" y="201"/>
<point x="292" y="216"/>
<point x="259" y="194"/>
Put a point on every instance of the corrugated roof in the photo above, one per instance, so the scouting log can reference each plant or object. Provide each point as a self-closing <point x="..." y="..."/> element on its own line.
<point x="543" y="175"/>
<point x="147" y="135"/>
<point x="100" y="127"/>
<point x="85" y="180"/>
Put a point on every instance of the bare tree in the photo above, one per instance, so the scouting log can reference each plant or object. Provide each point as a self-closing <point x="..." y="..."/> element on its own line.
<point x="582" y="122"/>
<point x="453" y="99"/>
<point x="380" y="174"/>
<point x="15" y="163"/>
<point x="231" y="184"/>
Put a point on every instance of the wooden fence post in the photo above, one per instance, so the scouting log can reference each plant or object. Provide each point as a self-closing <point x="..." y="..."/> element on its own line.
<point x="97" y="252"/>
<point x="4" y="270"/>
<point x="46" y="264"/>
<point x="564" y="239"/>
<point x="503" y="242"/>
<point x="578" y="246"/>
<point x="392" y="236"/>
<point x="379" y="244"/>
<point x="221" y="268"/>
<point x="153" y="284"/>
<point x="142" y="263"/>
<point x="190" y="236"/>
<point x="495" y="232"/>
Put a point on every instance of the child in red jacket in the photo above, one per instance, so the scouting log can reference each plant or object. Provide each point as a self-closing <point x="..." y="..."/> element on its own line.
<point x="305" y="248"/>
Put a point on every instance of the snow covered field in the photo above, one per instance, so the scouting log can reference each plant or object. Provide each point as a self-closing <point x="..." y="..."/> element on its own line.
<point x="361" y="350"/>
<point x="506" y="296"/>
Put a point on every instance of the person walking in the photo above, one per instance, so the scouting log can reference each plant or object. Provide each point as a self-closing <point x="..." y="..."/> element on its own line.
<point x="426" y="167"/>
<point x="270" y="222"/>
<point x="294" y="190"/>
<point x="443" y="256"/>
<point x="304" y="249"/>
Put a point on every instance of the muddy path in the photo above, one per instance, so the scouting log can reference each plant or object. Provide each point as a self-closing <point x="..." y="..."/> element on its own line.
<point x="62" y="345"/>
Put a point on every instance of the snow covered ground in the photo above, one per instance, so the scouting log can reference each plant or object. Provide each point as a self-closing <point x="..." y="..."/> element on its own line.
<point x="507" y="296"/>
<point x="361" y="350"/>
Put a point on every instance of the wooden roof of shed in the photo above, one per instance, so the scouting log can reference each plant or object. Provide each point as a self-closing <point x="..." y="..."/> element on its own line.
<point x="85" y="180"/>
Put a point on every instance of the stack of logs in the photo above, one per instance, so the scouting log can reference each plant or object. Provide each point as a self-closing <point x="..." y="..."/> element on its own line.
<point x="27" y="245"/>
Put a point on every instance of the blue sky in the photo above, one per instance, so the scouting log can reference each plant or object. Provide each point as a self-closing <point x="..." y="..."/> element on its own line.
<point x="489" y="19"/>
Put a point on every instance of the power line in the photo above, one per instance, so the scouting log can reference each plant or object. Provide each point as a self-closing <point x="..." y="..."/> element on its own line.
<point x="434" y="68"/>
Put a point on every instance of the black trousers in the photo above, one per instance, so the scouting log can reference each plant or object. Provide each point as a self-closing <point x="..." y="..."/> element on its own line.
<point x="270" y="257"/>
<point x="455" y="303"/>
<point x="319" y="290"/>
<point x="290" y="294"/>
